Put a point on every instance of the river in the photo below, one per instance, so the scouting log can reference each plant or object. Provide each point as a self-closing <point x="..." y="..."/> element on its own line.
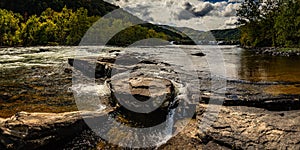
<point x="240" y="64"/>
<point x="40" y="79"/>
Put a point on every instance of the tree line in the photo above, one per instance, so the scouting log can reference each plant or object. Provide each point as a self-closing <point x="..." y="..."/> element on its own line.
<point x="269" y="23"/>
<point x="36" y="7"/>
<point x="65" y="27"/>
<point x="50" y="28"/>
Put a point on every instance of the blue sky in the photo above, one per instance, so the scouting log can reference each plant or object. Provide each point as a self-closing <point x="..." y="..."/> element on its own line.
<point x="197" y="14"/>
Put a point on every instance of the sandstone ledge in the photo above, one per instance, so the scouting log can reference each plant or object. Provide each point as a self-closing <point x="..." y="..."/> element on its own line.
<point x="34" y="130"/>
<point x="236" y="127"/>
<point x="240" y="127"/>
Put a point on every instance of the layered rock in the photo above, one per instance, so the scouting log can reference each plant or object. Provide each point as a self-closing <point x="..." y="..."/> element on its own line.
<point x="272" y="103"/>
<point x="239" y="127"/>
<point x="137" y="86"/>
<point x="251" y="128"/>
<point x="143" y="94"/>
<point x="35" y="130"/>
<point x="134" y="82"/>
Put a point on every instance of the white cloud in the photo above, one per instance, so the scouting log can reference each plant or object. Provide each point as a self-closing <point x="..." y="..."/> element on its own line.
<point x="230" y="23"/>
<point x="230" y="10"/>
<point x="202" y="9"/>
<point x="193" y="13"/>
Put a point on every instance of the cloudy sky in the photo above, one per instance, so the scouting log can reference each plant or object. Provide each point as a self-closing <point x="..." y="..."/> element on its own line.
<point x="197" y="14"/>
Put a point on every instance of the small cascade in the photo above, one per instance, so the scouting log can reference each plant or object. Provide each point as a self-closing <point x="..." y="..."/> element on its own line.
<point x="91" y="97"/>
<point x="166" y="133"/>
<point x="169" y="123"/>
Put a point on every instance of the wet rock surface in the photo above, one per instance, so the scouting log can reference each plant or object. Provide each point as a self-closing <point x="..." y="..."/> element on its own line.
<point x="36" y="89"/>
<point x="249" y="118"/>
<point x="237" y="126"/>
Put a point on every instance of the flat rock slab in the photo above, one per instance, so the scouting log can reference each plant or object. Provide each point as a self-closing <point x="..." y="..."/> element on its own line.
<point x="240" y="127"/>
<point x="34" y="130"/>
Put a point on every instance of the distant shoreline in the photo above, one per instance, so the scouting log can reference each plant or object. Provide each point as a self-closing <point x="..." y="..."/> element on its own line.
<point x="275" y="51"/>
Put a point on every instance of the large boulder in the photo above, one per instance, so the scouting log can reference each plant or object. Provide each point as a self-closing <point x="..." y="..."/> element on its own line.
<point x="143" y="94"/>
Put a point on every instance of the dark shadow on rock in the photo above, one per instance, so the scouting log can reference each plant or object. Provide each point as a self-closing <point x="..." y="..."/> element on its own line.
<point x="198" y="54"/>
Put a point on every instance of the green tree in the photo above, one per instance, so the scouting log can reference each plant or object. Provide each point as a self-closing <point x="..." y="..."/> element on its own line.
<point x="269" y="23"/>
<point x="249" y="12"/>
<point x="79" y="23"/>
<point x="46" y="33"/>
<point x="9" y="28"/>
<point x="61" y="21"/>
<point x="249" y="17"/>
<point x="29" y="31"/>
<point x="53" y="28"/>
<point x="287" y="24"/>
<point x="134" y="34"/>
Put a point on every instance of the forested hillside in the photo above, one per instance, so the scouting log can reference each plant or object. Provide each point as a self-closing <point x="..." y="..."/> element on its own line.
<point x="64" y="22"/>
<point x="50" y="28"/>
<point x="31" y="7"/>
<point x="226" y="34"/>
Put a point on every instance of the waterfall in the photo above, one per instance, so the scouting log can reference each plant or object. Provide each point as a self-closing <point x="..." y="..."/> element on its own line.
<point x="167" y="132"/>
<point x="169" y="125"/>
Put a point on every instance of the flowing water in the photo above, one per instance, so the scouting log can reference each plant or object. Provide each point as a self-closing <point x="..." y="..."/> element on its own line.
<point x="40" y="79"/>
<point x="240" y="64"/>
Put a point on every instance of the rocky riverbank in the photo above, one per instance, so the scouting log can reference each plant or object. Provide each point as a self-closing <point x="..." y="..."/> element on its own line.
<point x="37" y="130"/>
<point x="236" y="127"/>
<point x="248" y="115"/>
<point x="240" y="127"/>
<point x="272" y="51"/>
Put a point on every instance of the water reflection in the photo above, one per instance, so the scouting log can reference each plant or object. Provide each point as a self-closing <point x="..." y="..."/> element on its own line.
<point x="254" y="67"/>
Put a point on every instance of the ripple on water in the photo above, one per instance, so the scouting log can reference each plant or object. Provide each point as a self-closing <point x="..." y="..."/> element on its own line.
<point x="10" y="58"/>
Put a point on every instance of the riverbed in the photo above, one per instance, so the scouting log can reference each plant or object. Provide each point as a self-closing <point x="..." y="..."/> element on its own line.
<point x="39" y="79"/>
